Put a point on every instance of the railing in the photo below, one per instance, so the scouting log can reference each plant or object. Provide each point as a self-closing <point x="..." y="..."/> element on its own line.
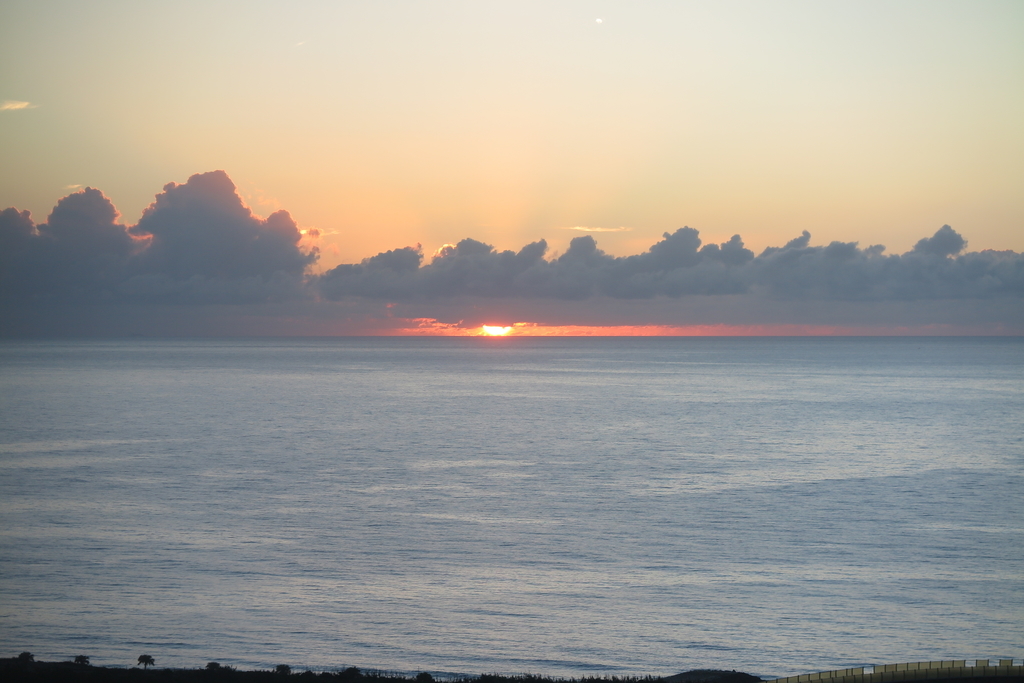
<point x="912" y="671"/>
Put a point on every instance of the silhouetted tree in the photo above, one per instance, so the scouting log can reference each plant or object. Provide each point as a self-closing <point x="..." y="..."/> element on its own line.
<point x="82" y="659"/>
<point x="283" y="669"/>
<point x="146" y="661"/>
<point x="212" y="666"/>
<point x="424" y="678"/>
<point x="26" y="657"/>
<point x="351" y="674"/>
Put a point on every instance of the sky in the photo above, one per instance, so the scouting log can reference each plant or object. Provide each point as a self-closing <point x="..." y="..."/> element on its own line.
<point x="428" y="129"/>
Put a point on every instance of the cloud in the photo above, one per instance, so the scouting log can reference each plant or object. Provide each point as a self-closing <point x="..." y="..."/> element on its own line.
<point x="203" y="229"/>
<point x="933" y="269"/>
<point x="583" y="228"/>
<point x="14" y="105"/>
<point x="80" y="254"/>
<point x="945" y="242"/>
<point x="199" y="254"/>
<point x="679" y="265"/>
<point x="196" y="243"/>
<point x="674" y="266"/>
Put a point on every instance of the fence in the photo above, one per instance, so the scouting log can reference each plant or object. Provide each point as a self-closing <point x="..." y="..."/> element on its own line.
<point x="913" y="671"/>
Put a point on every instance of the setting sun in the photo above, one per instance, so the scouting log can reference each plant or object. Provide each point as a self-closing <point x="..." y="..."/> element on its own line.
<point x="496" y="331"/>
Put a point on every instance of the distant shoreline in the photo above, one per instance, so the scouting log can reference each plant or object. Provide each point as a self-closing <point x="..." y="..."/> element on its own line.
<point x="16" y="670"/>
<point x="25" y="668"/>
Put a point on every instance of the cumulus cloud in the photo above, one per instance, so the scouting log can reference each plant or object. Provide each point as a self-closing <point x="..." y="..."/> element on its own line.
<point x="206" y="244"/>
<point x="945" y="242"/>
<point x="196" y="243"/>
<point x="199" y="246"/>
<point x="933" y="269"/>
<point x="79" y="254"/>
<point x="680" y="265"/>
<point x="472" y="268"/>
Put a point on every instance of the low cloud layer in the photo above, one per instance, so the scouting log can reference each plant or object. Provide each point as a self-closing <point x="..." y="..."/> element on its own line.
<point x="679" y="265"/>
<point x="199" y="248"/>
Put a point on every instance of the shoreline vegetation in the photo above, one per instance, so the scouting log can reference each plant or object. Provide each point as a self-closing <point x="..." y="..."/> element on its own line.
<point x="25" y="668"/>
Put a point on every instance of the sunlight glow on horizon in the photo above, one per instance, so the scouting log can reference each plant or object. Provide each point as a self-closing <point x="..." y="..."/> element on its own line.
<point x="429" y="327"/>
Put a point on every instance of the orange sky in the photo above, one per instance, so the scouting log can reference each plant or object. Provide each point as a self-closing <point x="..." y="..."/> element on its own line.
<point x="384" y="125"/>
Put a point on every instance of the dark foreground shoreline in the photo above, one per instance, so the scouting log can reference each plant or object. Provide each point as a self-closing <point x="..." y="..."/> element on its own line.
<point x="26" y="669"/>
<point x="15" y="670"/>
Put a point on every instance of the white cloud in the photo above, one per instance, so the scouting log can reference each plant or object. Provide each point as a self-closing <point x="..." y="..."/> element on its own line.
<point x="11" y="105"/>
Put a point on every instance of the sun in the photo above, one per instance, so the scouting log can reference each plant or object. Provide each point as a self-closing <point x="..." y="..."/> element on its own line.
<point x="496" y="331"/>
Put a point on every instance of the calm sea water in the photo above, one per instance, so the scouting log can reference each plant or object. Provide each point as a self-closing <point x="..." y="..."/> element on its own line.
<point x="555" y="506"/>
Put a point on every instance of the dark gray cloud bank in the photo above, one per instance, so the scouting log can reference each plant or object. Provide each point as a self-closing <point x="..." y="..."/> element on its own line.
<point x="680" y="266"/>
<point x="196" y="243"/>
<point x="199" y="262"/>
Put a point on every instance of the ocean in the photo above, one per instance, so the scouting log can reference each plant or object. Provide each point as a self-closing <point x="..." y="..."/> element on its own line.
<point x="564" y="507"/>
